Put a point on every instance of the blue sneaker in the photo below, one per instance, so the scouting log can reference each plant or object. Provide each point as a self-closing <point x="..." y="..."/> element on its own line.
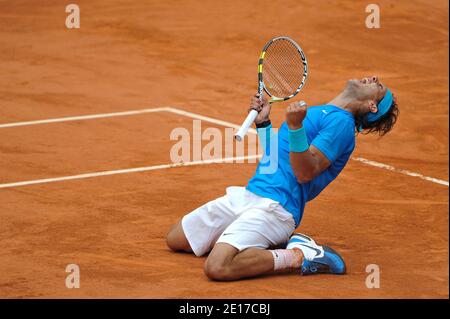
<point x="330" y="262"/>
<point x="316" y="259"/>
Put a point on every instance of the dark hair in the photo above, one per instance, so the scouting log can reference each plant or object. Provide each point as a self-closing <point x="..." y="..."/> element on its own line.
<point x="383" y="125"/>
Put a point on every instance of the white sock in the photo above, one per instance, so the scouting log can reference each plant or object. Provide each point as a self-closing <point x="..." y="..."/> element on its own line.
<point x="285" y="259"/>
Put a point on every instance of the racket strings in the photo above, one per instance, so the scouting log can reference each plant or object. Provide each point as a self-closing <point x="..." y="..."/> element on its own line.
<point x="283" y="68"/>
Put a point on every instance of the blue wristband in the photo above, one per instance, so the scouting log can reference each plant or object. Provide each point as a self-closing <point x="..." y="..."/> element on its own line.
<point x="298" y="141"/>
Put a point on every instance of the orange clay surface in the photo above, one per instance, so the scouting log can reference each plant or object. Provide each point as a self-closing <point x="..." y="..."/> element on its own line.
<point x="201" y="56"/>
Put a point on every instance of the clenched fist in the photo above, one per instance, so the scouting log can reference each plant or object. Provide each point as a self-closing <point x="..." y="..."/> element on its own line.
<point x="295" y="113"/>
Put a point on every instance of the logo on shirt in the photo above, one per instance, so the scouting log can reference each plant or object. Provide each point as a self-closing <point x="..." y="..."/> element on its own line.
<point x="325" y="112"/>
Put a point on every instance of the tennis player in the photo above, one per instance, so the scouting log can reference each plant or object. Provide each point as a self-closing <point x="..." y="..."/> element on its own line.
<point x="242" y="229"/>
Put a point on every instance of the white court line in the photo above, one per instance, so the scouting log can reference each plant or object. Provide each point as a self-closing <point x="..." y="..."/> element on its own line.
<point x="206" y="119"/>
<point x="83" y="117"/>
<point x="401" y="171"/>
<point x="129" y="170"/>
<point x="188" y="114"/>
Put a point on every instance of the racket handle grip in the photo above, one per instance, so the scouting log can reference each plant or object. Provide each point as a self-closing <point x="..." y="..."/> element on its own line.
<point x="239" y="136"/>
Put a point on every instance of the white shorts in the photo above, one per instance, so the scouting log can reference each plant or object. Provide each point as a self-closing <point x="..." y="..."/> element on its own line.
<point x="241" y="219"/>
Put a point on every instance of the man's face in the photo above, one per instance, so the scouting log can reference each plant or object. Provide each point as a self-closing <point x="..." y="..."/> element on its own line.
<point x="368" y="90"/>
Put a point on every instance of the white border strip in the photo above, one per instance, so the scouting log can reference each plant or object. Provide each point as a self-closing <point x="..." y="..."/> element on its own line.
<point x="206" y="119"/>
<point x="84" y="117"/>
<point x="149" y="168"/>
<point x="129" y="170"/>
<point x="401" y="171"/>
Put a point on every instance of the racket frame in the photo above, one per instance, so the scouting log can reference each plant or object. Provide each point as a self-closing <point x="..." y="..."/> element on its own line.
<point x="261" y="85"/>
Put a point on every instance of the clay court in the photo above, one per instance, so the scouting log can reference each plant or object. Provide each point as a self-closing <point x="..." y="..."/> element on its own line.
<point x="200" y="57"/>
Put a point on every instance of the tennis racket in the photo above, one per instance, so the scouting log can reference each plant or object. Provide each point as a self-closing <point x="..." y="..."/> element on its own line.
<point x="282" y="72"/>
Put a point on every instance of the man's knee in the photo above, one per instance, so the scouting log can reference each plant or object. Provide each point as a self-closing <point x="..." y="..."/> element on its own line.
<point x="218" y="265"/>
<point x="217" y="270"/>
<point x="171" y="239"/>
<point x="176" y="240"/>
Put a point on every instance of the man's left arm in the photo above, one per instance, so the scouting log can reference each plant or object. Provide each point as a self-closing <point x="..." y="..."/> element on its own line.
<point x="306" y="161"/>
<point x="308" y="164"/>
